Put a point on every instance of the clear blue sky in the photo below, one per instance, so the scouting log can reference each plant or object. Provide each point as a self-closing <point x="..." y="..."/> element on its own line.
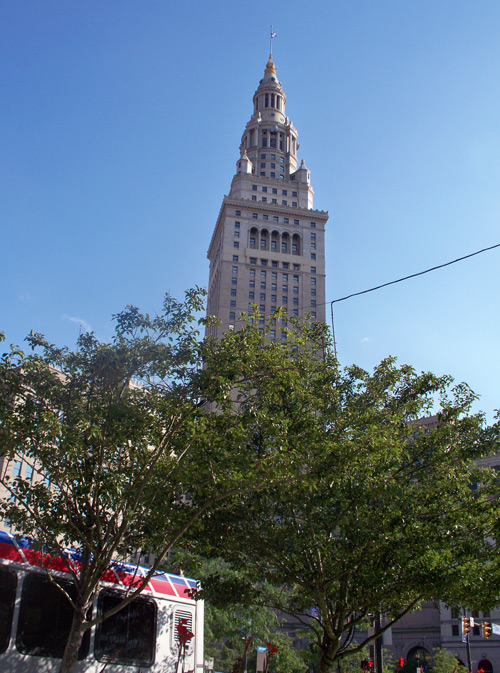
<point x="120" y="126"/>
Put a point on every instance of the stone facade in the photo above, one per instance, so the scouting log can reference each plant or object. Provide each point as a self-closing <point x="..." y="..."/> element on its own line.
<point x="267" y="248"/>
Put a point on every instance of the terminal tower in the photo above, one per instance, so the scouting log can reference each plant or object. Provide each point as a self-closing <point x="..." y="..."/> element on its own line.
<point x="267" y="247"/>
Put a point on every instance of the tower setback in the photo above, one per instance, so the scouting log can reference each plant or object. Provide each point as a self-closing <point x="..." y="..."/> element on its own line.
<point x="267" y="247"/>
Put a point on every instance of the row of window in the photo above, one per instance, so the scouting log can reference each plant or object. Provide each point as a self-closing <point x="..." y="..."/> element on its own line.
<point x="274" y="190"/>
<point x="45" y="617"/>
<point x="275" y="218"/>
<point x="284" y="202"/>
<point x="232" y="316"/>
<point x="273" y="158"/>
<point x="274" y="264"/>
<point x="267" y="100"/>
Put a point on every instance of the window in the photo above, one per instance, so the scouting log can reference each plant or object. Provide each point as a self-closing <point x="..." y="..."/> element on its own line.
<point x="237" y="225"/>
<point x="45" y="619"/>
<point x="273" y="175"/>
<point x="274" y="264"/>
<point x="262" y="296"/>
<point x="133" y="629"/>
<point x="313" y="236"/>
<point x="251" y="295"/>
<point x="313" y="314"/>
<point x="263" y="165"/>
<point x="273" y="165"/>
<point x="235" y="258"/>
<point x="254" y="216"/>
<point x="232" y="315"/>
<point x="284" y="202"/>
<point x="254" y="188"/>
<point x="272" y="333"/>
<point x="295" y="279"/>
<point x="296" y="289"/>
<point x="273" y="245"/>
<point x="296" y="222"/>
<point x="313" y="292"/>
<point x="313" y="225"/>
<point x="236" y="234"/>
<point x="263" y="273"/>
<point x="237" y="213"/>
<point x="264" y="189"/>
<point x="234" y="281"/>
<point x="294" y="194"/>
<point x="294" y="248"/>
<point x="16" y="470"/>
<point x="263" y="285"/>
<point x="252" y="283"/>
<point x="262" y="308"/>
<point x="263" y="262"/>
<point x="253" y="260"/>
<point x="282" y="159"/>
<point x="264" y="200"/>
<point x="252" y="242"/>
<point x="275" y="218"/>
<point x="295" y="312"/>
<point x="313" y="269"/>
<point x="273" y="285"/>
<point x="296" y="267"/>
<point x="233" y="292"/>
<point x="283" y="247"/>
<point x="286" y="220"/>
<point x="236" y="244"/>
<point x="232" y="303"/>
<point x="265" y="217"/>
<point x="284" y="288"/>
<point x="313" y="246"/>
<point x="28" y="476"/>
<point x="274" y="275"/>
<point x="285" y="265"/>
<point x="273" y="157"/>
<point x="254" y="198"/>
<point x="275" y="191"/>
<point x="235" y="269"/>
<point x="284" y="192"/>
<point x="263" y="174"/>
<point x="295" y="300"/>
<point x="313" y="255"/>
<point x="282" y="169"/>
<point x="262" y="156"/>
<point x="8" y="583"/>
<point x="313" y="303"/>
<point x="284" y="300"/>
<point x="313" y="281"/>
<point x="252" y="271"/>
<point x="273" y="297"/>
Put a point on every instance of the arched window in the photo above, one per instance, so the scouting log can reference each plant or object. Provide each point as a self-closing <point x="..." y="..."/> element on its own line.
<point x="486" y="665"/>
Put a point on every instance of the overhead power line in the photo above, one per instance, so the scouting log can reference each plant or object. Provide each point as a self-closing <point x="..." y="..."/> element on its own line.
<point x="400" y="280"/>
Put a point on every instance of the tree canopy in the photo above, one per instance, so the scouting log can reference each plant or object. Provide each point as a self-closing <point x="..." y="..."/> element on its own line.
<point x="390" y="511"/>
<point x="130" y="442"/>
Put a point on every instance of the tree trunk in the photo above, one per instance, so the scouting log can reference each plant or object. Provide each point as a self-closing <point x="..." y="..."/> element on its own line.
<point x="75" y="637"/>
<point x="327" y="654"/>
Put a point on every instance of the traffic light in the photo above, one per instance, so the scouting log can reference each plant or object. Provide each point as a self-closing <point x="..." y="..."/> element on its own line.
<point x="367" y="664"/>
<point x="465" y="625"/>
<point x="401" y="663"/>
<point x="486" y="629"/>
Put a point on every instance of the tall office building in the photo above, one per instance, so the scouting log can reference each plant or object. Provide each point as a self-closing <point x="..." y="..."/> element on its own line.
<point x="268" y="243"/>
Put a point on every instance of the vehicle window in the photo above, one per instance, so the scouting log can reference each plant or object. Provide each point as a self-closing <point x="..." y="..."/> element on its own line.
<point x="8" y="583"/>
<point x="129" y="636"/>
<point x="45" y="618"/>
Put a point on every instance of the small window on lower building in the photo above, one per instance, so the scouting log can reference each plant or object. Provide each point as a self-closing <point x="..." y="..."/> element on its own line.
<point x="235" y="258"/>
<point x="232" y="304"/>
<point x="231" y="315"/>
<point x="313" y="255"/>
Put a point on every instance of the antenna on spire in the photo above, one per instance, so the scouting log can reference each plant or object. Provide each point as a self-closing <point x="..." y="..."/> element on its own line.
<point x="272" y="34"/>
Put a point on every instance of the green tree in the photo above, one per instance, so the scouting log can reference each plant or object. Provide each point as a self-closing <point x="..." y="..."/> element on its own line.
<point x="384" y="516"/>
<point x="134" y="441"/>
<point x="444" y="661"/>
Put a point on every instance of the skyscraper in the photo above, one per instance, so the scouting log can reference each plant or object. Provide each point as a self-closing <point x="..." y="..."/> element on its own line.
<point x="267" y="247"/>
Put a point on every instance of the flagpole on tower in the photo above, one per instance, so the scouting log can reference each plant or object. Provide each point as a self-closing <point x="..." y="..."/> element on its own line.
<point x="271" y="35"/>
